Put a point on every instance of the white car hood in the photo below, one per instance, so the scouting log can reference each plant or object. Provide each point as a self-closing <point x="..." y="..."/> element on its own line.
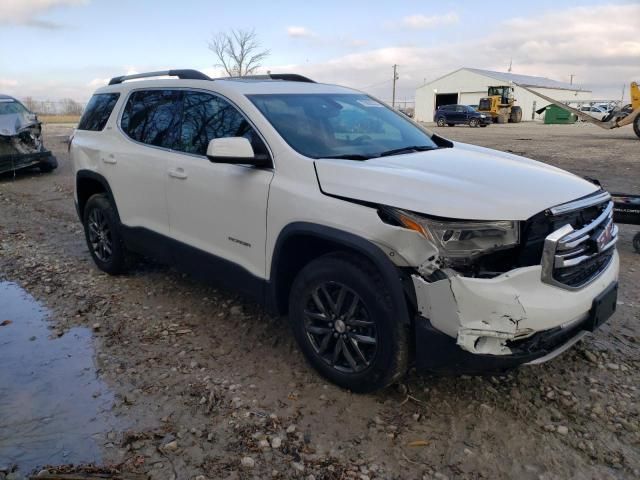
<point x="464" y="182"/>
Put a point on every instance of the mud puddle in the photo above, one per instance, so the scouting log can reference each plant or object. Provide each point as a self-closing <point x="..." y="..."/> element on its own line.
<point x="53" y="408"/>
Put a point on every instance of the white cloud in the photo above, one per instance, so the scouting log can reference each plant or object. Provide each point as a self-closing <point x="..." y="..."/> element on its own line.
<point x="299" y="32"/>
<point x="8" y="83"/>
<point x="98" y="82"/>
<point x="419" y="22"/>
<point x="602" y="57"/>
<point x="27" y="12"/>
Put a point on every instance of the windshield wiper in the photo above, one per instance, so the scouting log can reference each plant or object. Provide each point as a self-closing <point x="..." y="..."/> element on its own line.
<point x="413" y="148"/>
<point x="349" y="156"/>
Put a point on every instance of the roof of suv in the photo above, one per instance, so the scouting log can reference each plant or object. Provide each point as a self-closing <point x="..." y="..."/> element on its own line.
<point x="242" y="85"/>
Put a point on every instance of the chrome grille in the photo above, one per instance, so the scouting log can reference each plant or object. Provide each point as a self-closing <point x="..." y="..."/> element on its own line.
<point x="572" y="258"/>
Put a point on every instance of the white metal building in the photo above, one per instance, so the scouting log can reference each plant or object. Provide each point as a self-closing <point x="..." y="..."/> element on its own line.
<point x="467" y="85"/>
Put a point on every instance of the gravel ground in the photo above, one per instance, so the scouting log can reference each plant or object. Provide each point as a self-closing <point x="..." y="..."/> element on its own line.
<point x="208" y="386"/>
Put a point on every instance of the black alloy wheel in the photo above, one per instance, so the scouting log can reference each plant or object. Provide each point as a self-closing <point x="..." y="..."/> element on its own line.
<point x="339" y="329"/>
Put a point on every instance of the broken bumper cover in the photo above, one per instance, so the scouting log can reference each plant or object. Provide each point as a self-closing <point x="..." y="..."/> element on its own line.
<point x="469" y="325"/>
<point x="13" y="162"/>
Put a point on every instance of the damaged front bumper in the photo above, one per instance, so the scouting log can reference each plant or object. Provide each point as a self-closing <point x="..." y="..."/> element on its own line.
<point x="13" y="162"/>
<point x="473" y="325"/>
<point x="21" y="142"/>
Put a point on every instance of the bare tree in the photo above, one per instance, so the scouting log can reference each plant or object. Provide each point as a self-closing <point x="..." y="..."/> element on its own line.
<point x="238" y="52"/>
<point x="70" y="107"/>
<point x="30" y="103"/>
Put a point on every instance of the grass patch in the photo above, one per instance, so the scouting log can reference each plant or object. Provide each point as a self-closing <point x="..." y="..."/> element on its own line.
<point x="59" y="118"/>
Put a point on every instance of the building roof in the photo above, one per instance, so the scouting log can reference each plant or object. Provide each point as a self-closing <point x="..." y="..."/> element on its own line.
<point x="526" y="80"/>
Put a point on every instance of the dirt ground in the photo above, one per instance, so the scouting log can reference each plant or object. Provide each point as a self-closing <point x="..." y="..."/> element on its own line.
<point x="207" y="386"/>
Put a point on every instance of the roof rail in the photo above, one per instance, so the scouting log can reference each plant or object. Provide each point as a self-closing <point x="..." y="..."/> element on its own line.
<point x="287" y="77"/>
<point x="186" y="74"/>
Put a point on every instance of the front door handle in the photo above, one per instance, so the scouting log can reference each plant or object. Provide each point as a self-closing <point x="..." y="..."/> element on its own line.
<point x="110" y="159"/>
<point x="178" y="173"/>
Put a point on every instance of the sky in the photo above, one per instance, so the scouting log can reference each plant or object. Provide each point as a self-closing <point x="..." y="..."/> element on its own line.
<point x="53" y="49"/>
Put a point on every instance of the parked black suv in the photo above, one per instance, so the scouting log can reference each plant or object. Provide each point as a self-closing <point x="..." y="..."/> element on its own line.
<point x="460" y="114"/>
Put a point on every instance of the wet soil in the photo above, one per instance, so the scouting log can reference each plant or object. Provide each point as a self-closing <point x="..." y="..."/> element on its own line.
<point x="206" y="385"/>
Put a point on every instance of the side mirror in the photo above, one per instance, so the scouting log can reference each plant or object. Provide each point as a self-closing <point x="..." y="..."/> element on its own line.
<point x="236" y="150"/>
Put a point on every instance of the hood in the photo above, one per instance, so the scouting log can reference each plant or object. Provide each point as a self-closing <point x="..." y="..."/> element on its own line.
<point x="463" y="182"/>
<point x="13" y="123"/>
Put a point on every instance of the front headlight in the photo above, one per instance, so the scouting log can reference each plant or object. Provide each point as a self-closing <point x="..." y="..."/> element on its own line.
<point x="483" y="116"/>
<point x="461" y="238"/>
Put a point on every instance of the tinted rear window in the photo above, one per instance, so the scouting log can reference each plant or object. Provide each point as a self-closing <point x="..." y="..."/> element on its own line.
<point x="98" y="111"/>
<point x="152" y="117"/>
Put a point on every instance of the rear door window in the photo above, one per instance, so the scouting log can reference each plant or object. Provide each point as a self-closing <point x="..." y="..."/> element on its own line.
<point x="206" y="116"/>
<point x="153" y="117"/>
<point x="98" y="111"/>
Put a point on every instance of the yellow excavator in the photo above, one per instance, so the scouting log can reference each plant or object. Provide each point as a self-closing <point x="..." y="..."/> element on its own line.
<point x="499" y="103"/>
<point x="619" y="117"/>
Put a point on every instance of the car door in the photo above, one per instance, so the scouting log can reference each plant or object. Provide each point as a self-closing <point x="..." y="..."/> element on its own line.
<point x="462" y="114"/>
<point x="454" y="114"/>
<point x="220" y="209"/>
<point x="137" y="163"/>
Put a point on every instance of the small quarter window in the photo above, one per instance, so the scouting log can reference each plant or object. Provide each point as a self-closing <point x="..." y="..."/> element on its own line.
<point x="98" y="111"/>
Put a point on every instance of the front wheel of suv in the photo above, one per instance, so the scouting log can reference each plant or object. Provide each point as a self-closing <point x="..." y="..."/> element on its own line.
<point x="102" y="232"/>
<point x="343" y="319"/>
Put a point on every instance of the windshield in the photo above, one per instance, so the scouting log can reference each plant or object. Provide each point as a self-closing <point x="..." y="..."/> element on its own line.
<point x="11" y="107"/>
<point x="340" y="125"/>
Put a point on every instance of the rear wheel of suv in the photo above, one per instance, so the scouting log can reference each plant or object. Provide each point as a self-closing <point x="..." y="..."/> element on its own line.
<point x="441" y="122"/>
<point x="102" y="232"/>
<point x="343" y="319"/>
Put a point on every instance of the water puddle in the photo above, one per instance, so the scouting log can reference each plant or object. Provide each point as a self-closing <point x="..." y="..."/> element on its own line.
<point x="53" y="407"/>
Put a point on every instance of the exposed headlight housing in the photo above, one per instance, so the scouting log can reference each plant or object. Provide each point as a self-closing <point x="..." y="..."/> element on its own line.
<point x="483" y="116"/>
<point x="461" y="238"/>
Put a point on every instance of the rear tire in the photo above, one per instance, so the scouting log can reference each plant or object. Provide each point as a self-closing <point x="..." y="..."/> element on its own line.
<point x="636" y="242"/>
<point x="339" y="301"/>
<point x="103" y="236"/>
<point x="636" y="126"/>
<point x="441" y="122"/>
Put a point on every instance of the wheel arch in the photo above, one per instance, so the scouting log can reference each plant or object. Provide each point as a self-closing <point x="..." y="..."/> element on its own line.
<point x="89" y="183"/>
<point x="300" y="242"/>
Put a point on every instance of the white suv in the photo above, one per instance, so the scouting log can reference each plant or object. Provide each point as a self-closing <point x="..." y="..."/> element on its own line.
<point x="386" y="245"/>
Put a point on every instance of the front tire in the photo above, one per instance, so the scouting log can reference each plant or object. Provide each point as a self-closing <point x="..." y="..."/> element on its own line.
<point x="343" y="320"/>
<point x="636" y="126"/>
<point x="102" y="233"/>
<point x="473" y="122"/>
<point x="636" y="242"/>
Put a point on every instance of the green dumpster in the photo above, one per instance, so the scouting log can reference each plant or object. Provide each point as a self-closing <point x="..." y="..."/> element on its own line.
<point x="556" y="114"/>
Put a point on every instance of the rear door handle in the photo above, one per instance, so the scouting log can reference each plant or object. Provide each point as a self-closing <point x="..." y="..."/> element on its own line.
<point x="178" y="173"/>
<point x="110" y="159"/>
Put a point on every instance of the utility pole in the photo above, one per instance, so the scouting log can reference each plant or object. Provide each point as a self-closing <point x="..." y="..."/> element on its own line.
<point x="571" y="78"/>
<point x="395" y="77"/>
